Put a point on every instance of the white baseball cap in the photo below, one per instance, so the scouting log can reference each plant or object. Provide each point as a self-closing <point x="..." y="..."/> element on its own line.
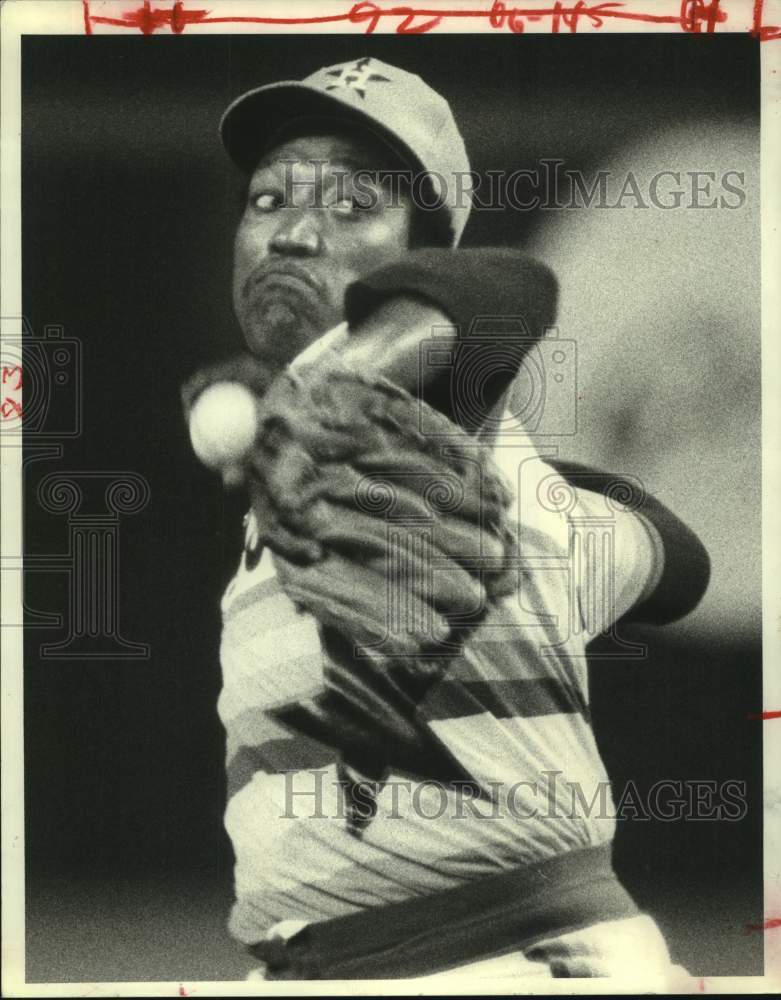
<point x="397" y="106"/>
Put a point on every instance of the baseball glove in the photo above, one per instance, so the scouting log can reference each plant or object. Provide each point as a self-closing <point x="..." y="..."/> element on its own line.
<point x="387" y="534"/>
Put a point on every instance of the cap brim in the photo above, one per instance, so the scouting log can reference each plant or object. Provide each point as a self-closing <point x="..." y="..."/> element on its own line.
<point x="254" y="118"/>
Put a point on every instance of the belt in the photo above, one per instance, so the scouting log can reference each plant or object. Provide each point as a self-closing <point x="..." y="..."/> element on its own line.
<point x="504" y="912"/>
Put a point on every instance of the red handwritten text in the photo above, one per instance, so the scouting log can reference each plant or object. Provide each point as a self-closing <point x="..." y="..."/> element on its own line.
<point x="764" y="32"/>
<point x="766" y="925"/>
<point x="11" y="377"/>
<point x="10" y="408"/>
<point x="693" y="17"/>
<point x="15" y="371"/>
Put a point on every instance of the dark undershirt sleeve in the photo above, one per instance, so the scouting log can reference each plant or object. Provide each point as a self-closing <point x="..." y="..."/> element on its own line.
<point x="685" y="571"/>
<point x="467" y="285"/>
<point x="487" y="293"/>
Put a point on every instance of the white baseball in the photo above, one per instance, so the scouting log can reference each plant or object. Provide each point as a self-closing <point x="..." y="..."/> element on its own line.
<point x="223" y="424"/>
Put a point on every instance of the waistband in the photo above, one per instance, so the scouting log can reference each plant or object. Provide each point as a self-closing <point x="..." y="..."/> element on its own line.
<point x="504" y="912"/>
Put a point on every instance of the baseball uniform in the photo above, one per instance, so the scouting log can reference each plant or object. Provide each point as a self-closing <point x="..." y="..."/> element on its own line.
<point x="449" y="831"/>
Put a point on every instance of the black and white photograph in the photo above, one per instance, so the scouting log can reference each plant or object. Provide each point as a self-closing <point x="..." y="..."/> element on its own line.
<point x="389" y="443"/>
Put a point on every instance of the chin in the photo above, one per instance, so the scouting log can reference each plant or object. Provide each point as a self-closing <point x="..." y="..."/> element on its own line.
<point x="278" y="344"/>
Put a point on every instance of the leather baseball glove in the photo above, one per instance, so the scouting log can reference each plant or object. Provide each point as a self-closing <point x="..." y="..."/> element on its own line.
<point x="383" y="532"/>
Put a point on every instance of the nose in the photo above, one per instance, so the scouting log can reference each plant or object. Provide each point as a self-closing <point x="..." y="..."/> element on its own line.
<point x="298" y="234"/>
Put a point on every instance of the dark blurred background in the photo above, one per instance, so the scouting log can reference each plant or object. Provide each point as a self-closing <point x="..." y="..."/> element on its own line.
<point x="129" y="206"/>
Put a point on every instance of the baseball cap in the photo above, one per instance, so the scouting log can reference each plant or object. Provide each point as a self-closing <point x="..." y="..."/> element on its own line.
<point x="398" y="106"/>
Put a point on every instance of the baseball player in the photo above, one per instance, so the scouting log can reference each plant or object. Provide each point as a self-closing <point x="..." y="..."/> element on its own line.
<point x="403" y="652"/>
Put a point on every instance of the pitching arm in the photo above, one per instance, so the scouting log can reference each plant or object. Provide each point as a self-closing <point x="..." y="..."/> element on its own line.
<point x="659" y="567"/>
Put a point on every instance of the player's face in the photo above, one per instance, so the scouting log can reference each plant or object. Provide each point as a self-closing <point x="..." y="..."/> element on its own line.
<point x="316" y="218"/>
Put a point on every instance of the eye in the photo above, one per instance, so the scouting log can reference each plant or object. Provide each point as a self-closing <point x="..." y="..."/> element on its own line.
<point x="354" y="205"/>
<point x="265" y="201"/>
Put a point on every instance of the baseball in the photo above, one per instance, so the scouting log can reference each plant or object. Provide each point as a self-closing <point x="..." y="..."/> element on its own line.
<point x="223" y="424"/>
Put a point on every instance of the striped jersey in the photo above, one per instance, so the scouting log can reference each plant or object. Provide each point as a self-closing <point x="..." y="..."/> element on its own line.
<point x="510" y="713"/>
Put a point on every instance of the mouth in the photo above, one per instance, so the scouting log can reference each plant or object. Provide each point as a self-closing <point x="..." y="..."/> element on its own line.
<point x="286" y="274"/>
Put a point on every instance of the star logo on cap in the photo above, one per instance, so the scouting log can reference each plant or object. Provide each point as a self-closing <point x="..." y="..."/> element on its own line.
<point x="355" y="77"/>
